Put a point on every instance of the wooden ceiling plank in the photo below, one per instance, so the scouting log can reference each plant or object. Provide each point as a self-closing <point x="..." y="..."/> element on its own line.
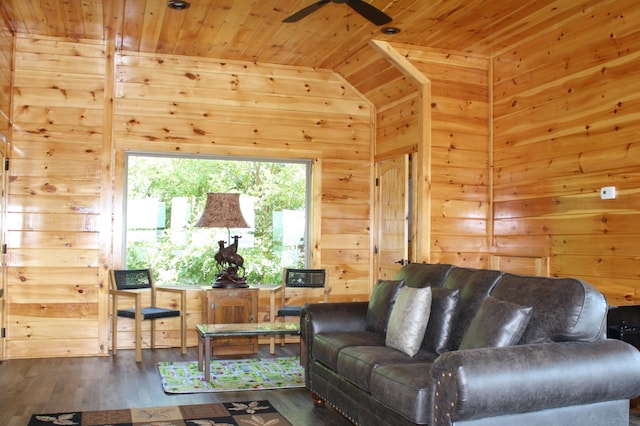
<point x="93" y="18"/>
<point x="132" y="25"/>
<point x="260" y="27"/>
<point x="72" y="16"/>
<point x="32" y="17"/>
<point x="252" y="30"/>
<point x="52" y="11"/>
<point x="152" y="25"/>
<point x="190" y="34"/>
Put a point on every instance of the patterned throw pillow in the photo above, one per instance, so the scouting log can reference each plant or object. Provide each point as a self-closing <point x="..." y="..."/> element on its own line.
<point x="408" y="320"/>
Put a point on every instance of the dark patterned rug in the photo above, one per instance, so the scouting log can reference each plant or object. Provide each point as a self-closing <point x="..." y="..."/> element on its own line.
<point x="220" y="414"/>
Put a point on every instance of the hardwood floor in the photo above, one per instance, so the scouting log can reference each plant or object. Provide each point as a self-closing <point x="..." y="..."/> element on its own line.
<point x="101" y="383"/>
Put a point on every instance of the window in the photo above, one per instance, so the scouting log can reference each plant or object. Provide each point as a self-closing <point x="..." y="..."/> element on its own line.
<point x="165" y="196"/>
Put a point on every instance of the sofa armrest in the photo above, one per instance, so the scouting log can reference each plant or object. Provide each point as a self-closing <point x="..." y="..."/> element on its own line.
<point x="346" y="316"/>
<point x="480" y="383"/>
<point x="322" y="317"/>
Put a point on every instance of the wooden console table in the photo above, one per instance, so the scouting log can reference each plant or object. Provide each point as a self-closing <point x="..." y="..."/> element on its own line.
<point x="232" y="306"/>
<point x="208" y="332"/>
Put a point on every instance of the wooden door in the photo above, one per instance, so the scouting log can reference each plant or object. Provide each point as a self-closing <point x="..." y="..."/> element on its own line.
<point x="392" y="216"/>
<point x="232" y="306"/>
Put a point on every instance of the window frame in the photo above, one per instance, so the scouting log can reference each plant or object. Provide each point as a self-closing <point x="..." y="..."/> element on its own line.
<point x="120" y="220"/>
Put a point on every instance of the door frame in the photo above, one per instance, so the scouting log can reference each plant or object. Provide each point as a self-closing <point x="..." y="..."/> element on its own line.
<point x="4" y="162"/>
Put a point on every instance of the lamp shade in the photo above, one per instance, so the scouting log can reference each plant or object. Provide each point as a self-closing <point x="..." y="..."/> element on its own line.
<point x="222" y="211"/>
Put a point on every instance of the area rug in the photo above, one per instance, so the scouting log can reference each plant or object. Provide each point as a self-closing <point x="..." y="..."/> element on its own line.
<point x="232" y="375"/>
<point x="256" y="413"/>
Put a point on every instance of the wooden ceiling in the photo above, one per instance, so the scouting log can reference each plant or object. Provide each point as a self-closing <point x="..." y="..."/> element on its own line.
<point x="252" y="30"/>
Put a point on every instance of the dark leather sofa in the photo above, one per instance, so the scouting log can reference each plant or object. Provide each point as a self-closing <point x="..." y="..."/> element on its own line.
<point x="562" y="370"/>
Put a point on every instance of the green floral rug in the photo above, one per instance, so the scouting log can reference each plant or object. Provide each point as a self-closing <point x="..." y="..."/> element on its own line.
<point x="232" y="375"/>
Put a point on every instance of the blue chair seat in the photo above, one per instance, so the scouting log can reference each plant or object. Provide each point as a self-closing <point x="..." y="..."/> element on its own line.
<point x="289" y="311"/>
<point x="149" y="313"/>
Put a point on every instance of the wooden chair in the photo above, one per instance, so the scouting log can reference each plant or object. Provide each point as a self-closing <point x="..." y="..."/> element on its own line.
<point x="292" y="281"/>
<point x="133" y="284"/>
<point x="295" y="279"/>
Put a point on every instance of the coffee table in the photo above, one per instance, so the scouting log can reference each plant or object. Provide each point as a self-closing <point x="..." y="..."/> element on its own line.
<point x="207" y="332"/>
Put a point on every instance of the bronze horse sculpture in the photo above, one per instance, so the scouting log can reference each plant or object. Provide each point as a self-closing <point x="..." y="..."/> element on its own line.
<point x="229" y="262"/>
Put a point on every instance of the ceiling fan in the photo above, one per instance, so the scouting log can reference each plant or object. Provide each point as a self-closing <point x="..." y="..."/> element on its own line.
<point x="371" y="13"/>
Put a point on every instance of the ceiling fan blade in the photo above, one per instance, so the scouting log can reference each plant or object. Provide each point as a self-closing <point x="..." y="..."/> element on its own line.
<point x="372" y="13"/>
<point x="306" y="11"/>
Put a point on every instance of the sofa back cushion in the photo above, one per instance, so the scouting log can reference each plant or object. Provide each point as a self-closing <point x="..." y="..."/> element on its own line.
<point x="444" y="306"/>
<point x="474" y="285"/>
<point x="424" y="274"/>
<point x="564" y="309"/>
<point x="383" y="297"/>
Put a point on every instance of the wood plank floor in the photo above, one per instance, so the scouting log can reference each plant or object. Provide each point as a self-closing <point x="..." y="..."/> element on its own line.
<point x="101" y="383"/>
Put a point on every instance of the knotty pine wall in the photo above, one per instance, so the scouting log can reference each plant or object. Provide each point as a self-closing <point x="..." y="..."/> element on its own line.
<point x="399" y="94"/>
<point x="6" y="77"/>
<point x="77" y="109"/>
<point x="6" y="67"/>
<point x="188" y="105"/>
<point x="459" y="194"/>
<point x="566" y="123"/>
<point x="57" y="229"/>
<point x="444" y="124"/>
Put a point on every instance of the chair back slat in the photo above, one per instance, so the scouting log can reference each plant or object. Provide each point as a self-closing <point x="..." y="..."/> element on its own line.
<point x="132" y="279"/>
<point x="311" y="278"/>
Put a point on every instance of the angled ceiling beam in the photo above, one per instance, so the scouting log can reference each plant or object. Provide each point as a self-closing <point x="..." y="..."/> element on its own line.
<point x="402" y="63"/>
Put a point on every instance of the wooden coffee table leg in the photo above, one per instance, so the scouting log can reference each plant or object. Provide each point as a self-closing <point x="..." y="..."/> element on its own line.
<point x="207" y="358"/>
<point x="200" y="351"/>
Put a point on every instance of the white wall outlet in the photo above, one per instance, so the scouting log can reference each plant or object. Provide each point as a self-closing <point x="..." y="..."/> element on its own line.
<point x="608" y="193"/>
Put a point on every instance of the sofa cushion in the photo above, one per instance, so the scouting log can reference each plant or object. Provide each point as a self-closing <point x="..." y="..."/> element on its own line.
<point x="444" y="303"/>
<point x="497" y="323"/>
<point x="422" y="274"/>
<point x="405" y="389"/>
<point x="327" y="345"/>
<point x="356" y="363"/>
<point x="408" y="320"/>
<point x="563" y="308"/>
<point x="381" y="301"/>
<point x="474" y="285"/>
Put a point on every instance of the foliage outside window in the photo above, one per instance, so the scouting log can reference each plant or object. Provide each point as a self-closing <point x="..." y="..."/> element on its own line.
<point x="166" y="196"/>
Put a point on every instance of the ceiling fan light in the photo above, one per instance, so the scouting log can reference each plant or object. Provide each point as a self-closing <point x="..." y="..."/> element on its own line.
<point x="178" y="4"/>
<point x="390" y="30"/>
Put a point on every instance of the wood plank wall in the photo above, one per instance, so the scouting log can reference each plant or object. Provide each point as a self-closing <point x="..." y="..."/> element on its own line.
<point x="54" y="289"/>
<point x="6" y="78"/>
<point x="459" y="157"/>
<point x="458" y="145"/>
<point x="400" y="119"/>
<point x="187" y="105"/>
<point x="565" y="123"/>
<point x="6" y="69"/>
<point x="69" y="148"/>
<point x="566" y="105"/>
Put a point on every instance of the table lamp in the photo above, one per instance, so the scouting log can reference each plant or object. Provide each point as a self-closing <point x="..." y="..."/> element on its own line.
<point x="222" y="210"/>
